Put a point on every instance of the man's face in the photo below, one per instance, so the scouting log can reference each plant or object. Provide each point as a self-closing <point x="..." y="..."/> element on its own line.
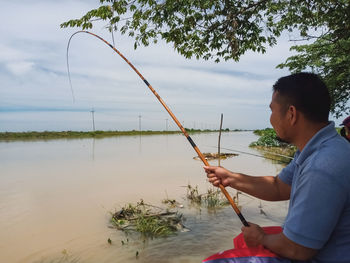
<point x="278" y="118"/>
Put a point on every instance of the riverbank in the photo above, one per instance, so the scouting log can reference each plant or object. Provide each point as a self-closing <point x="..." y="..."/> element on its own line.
<point x="49" y="135"/>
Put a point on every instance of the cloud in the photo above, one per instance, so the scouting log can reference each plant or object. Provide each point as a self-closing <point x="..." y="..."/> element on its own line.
<point x="20" y="67"/>
<point x="8" y="53"/>
<point x="33" y="76"/>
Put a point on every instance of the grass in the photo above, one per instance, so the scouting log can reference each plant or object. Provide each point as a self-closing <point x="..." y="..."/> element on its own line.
<point x="193" y="195"/>
<point x="49" y="135"/>
<point x="171" y="203"/>
<point x="215" y="156"/>
<point x="213" y="198"/>
<point x="154" y="226"/>
<point x="148" y="220"/>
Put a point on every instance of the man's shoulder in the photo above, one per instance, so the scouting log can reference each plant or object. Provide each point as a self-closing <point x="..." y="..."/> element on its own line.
<point x="331" y="158"/>
<point x="335" y="148"/>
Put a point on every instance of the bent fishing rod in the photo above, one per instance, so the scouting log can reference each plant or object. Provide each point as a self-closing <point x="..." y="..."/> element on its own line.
<point x="200" y="155"/>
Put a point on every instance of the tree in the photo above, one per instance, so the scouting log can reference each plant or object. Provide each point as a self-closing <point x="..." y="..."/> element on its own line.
<point x="226" y="29"/>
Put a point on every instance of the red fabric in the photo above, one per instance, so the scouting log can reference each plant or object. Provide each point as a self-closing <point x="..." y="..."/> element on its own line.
<point x="241" y="250"/>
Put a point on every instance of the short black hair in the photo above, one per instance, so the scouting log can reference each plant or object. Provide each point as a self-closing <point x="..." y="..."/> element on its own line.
<point x="307" y="93"/>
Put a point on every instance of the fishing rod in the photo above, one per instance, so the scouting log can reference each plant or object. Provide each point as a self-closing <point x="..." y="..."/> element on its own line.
<point x="200" y="155"/>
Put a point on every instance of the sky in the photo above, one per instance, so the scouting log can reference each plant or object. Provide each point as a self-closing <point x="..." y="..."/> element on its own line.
<point x="35" y="94"/>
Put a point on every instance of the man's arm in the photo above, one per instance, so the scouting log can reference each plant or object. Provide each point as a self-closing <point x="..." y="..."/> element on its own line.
<point x="268" y="188"/>
<point x="277" y="243"/>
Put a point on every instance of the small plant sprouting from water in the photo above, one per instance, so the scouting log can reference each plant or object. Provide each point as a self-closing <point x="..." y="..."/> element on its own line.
<point x="124" y="241"/>
<point x="172" y="203"/>
<point x="213" y="198"/>
<point x="148" y="220"/>
<point x="193" y="194"/>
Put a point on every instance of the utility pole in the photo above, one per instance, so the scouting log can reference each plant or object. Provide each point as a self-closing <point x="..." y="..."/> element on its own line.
<point x="166" y="124"/>
<point x="93" y="119"/>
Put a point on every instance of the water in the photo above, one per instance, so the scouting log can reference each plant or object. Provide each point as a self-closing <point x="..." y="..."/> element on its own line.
<point x="56" y="197"/>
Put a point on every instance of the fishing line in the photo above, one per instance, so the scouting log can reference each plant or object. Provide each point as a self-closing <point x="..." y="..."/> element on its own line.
<point x="200" y="155"/>
<point x="257" y="155"/>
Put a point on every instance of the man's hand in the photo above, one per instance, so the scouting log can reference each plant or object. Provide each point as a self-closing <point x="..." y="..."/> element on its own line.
<point x="253" y="235"/>
<point x="219" y="175"/>
<point x="278" y="243"/>
<point x="269" y="188"/>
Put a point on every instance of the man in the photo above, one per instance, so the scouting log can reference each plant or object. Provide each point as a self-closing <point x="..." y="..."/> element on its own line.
<point x="317" y="181"/>
<point x="345" y="131"/>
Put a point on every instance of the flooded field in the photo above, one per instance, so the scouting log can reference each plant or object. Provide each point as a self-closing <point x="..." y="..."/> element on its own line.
<point x="56" y="197"/>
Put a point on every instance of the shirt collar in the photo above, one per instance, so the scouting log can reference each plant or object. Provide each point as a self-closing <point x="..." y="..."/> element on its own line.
<point x="321" y="136"/>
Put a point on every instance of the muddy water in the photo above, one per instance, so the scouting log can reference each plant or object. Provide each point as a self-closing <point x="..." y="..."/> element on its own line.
<point x="56" y="196"/>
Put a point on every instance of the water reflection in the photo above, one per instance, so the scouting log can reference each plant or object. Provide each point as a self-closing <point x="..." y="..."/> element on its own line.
<point x="56" y="196"/>
<point x="93" y="149"/>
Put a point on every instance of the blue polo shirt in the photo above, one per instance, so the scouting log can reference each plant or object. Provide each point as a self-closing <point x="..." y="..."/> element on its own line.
<point x="319" y="208"/>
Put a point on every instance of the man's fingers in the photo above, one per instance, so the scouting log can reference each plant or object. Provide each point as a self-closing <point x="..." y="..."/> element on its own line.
<point x="209" y="169"/>
<point x="212" y="177"/>
<point x="215" y="181"/>
<point x="244" y="227"/>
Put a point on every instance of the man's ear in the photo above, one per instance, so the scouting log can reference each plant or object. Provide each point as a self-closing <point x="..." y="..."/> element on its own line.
<point x="292" y="115"/>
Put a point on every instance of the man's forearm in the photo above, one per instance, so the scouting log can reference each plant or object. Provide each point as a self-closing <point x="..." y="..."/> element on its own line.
<point x="262" y="187"/>
<point x="281" y="245"/>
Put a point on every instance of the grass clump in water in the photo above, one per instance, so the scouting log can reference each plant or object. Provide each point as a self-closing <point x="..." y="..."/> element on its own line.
<point x="216" y="156"/>
<point x="172" y="203"/>
<point x="213" y="198"/>
<point x="193" y="195"/>
<point x="148" y="220"/>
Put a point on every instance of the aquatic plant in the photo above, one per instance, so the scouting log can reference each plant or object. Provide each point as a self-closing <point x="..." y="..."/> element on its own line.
<point x="216" y="156"/>
<point x="172" y="203"/>
<point x="213" y="198"/>
<point x="193" y="194"/>
<point x="148" y="220"/>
